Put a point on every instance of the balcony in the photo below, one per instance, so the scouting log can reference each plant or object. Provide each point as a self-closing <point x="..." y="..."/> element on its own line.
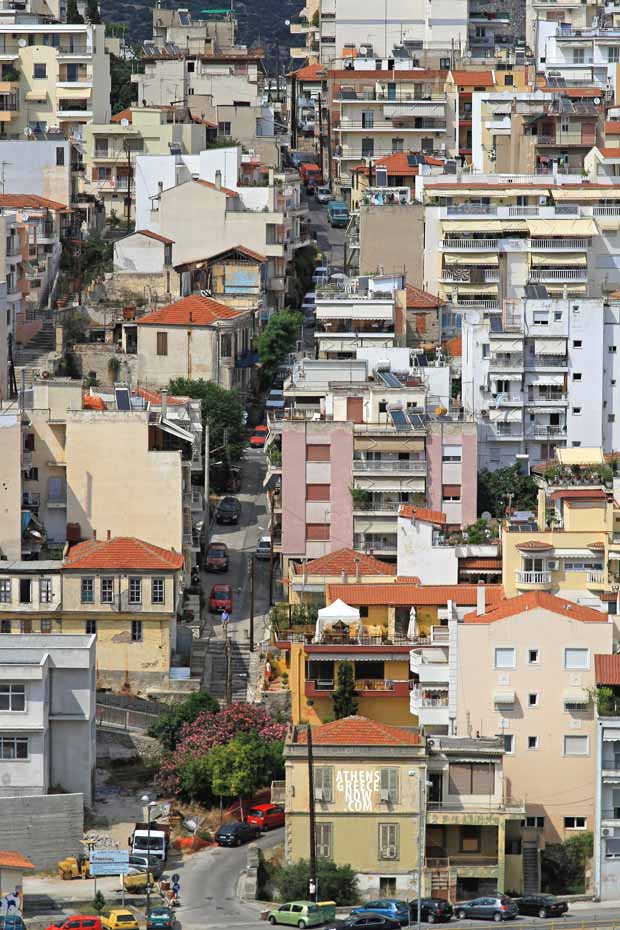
<point x="57" y="502"/>
<point x="472" y="245"/>
<point x="612" y="813"/>
<point x="547" y="400"/>
<point x="509" y="400"/>
<point x="428" y="709"/>
<point x="559" y="245"/>
<point x="431" y="665"/>
<point x="412" y="124"/>
<point x="376" y="686"/>
<point x="546" y="361"/>
<point x="546" y="432"/>
<point x="197" y="501"/>
<point x="506" y="362"/>
<point x="411" y="467"/>
<point x="596" y="579"/>
<point x="540" y="275"/>
<point x="393" y="95"/>
<point x="529" y="580"/>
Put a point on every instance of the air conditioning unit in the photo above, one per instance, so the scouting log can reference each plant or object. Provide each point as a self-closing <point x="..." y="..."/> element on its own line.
<point x="318" y="794"/>
<point x="388" y="852"/>
<point x="385" y="795"/>
<point x="607" y="831"/>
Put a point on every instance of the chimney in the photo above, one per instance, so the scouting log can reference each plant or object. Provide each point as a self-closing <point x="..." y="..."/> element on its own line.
<point x="164" y="403"/>
<point x="94" y="534"/>
<point x="357" y="570"/>
<point x="218" y="180"/>
<point x="109" y="534"/>
<point x="480" y="598"/>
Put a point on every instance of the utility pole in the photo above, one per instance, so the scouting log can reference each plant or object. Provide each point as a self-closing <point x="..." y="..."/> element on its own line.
<point x="329" y="146"/>
<point x="278" y="71"/>
<point x="207" y="524"/>
<point x="272" y="535"/>
<point x="321" y="131"/>
<point x="251" y="570"/>
<point x="293" y="111"/>
<point x="128" y="197"/>
<point x="228" y="686"/>
<point x="313" y="890"/>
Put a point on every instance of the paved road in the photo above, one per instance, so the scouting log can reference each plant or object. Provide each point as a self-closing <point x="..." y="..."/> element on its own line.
<point x="331" y="241"/>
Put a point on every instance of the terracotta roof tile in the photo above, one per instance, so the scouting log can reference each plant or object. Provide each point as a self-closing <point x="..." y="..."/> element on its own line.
<point x="512" y="606"/>
<point x="534" y="545"/>
<point x="473" y="78"/>
<point x="224" y="190"/>
<point x="153" y="235"/>
<point x="607" y="669"/>
<point x="417" y="299"/>
<point x="310" y="73"/>
<point x="346" y="560"/>
<point x="122" y="552"/>
<point x="154" y="397"/>
<point x="454" y="347"/>
<point x="489" y="564"/>
<point x="250" y="253"/>
<point x="121" y="115"/>
<point x="14" y="860"/>
<point x="359" y="731"/>
<point x="612" y="128"/>
<point x="586" y="494"/>
<point x="608" y="152"/>
<point x="596" y="545"/>
<point x="194" y="310"/>
<point x="398" y="165"/>
<point x="410" y="595"/>
<point x="422" y="513"/>
<point x="417" y="74"/>
<point x="18" y="201"/>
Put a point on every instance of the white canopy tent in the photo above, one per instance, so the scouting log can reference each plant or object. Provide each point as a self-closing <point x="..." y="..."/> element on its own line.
<point x="338" y="612"/>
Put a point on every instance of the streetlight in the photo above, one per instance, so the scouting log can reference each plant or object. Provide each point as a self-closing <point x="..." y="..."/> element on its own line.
<point x="149" y="807"/>
<point x="312" y="886"/>
<point x="421" y="830"/>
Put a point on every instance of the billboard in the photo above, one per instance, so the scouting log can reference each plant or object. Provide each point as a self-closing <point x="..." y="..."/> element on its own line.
<point x="109" y="862"/>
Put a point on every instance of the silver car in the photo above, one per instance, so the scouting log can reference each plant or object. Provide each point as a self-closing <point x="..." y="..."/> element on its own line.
<point x="263" y="548"/>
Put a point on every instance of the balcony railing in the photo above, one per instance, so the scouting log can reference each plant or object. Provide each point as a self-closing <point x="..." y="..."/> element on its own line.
<point x="399" y="96"/>
<point x="419" y="700"/>
<point x="509" y="400"/>
<point x="547" y="432"/>
<point x="533" y="577"/>
<point x="560" y="245"/>
<point x="506" y="361"/>
<point x="610" y="813"/>
<point x="546" y="361"/>
<point x="416" y="467"/>
<point x="473" y="245"/>
<point x="558" y="274"/>
<point x="597" y="578"/>
<point x="547" y="399"/>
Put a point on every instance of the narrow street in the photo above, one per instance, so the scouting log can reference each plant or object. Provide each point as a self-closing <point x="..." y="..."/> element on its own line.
<point x="330" y="241"/>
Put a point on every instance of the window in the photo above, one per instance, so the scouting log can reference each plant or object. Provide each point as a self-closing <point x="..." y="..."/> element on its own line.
<point x="577" y="343"/>
<point x="88" y="590"/>
<point x="162" y="343"/>
<point x="368" y="148"/>
<point x="45" y="626"/>
<point x="271" y="234"/>
<point x="486" y="348"/>
<point x="223" y="129"/>
<point x="575" y="823"/>
<point x="533" y="656"/>
<point x="576" y="411"/>
<point x="611" y="417"/>
<point x="60" y="157"/>
<point x="538" y="822"/>
<point x="25" y="626"/>
<point x="14" y="748"/>
<point x="45" y="590"/>
<point x="323" y="783"/>
<point x="323" y="833"/>
<point x="12" y="697"/>
<point x="505" y="657"/>
<point x="613" y="53"/>
<point x="452" y="453"/>
<point x="557" y="316"/>
<point x="135" y="590"/>
<point x="136" y="631"/>
<point x="389" y="785"/>
<point x="532" y="742"/>
<point x="451" y="492"/>
<point x="540" y="318"/>
<point x="576" y="746"/>
<point x="576" y="376"/>
<point x="318" y="492"/>
<point x="107" y="590"/>
<point x="39" y="71"/>
<point x="5" y="626"/>
<point x="317" y="531"/>
<point x="509" y="744"/>
<point x="576" y="658"/>
<point x="368" y="119"/>
<point x="471" y="778"/>
<point x="90" y="627"/>
<point x="158" y="591"/>
<point x="5" y="590"/>
<point x="29" y="442"/>
<point x="533" y="699"/>
<point x="578" y="56"/>
<point x="191" y="67"/>
<point x="388" y="841"/>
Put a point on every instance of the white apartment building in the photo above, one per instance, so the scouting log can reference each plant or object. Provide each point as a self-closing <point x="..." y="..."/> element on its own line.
<point x="47" y="707"/>
<point x="543" y="373"/>
<point x="586" y="53"/>
<point x="607" y="808"/>
<point x="575" y="12"/>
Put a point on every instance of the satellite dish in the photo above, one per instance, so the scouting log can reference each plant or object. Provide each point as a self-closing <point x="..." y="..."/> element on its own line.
<point x="597" y="100"/>
<point x="22" y="43"/>
<point x="486" y="515"/>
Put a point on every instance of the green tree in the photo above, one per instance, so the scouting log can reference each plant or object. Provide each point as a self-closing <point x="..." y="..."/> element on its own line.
<point x="73" y="14"/>
<point x="335" y="882"/>
<point x="478" y="533"/>
<point x="563" y="865"/>
<point x="495" y="486"/>
<point x="122" y="92"/>
<point x="242" y="766"/>
<point x="195" y="780"/>
<point x="99" y="902"/>
<point x="167" y="728"/>
<point x="277" y="339"/>
<point x="92" y="12"/>
<point x="221" y="409"/>
<point x="345" y="704"/>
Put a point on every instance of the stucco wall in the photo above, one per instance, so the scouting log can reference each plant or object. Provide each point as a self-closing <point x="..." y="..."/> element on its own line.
<point x="44" y="829"/>
<point x="10" y="487"/>
<point x="192" y="353"/>
<point x="392" y="237"/>
<point x="31" y="168"/>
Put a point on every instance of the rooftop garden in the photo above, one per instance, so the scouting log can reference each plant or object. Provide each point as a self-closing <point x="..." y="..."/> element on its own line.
<point x="581" y="474"/>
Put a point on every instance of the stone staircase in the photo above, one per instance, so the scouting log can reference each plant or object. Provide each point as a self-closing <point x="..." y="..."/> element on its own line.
<point x="34" y="353"/>
<point x="531" y="868"/>
<point x="214" y="680"/>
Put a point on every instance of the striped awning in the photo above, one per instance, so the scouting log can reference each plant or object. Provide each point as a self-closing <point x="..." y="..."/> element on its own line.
<point x="503" y="697"/>
<point x="576" y="696"/>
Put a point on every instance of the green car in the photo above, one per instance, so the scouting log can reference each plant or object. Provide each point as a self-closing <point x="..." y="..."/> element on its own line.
<point x="160" y="918"/>
<point x="298" y="914"/>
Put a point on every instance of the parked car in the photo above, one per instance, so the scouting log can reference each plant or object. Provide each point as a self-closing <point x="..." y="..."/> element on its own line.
<point x="394" y="908"/>
<point x="432" y="910"/>
<point x="228" y="510"/>
<point x="139" y="863"/>
<point x="541" y="905"/>
<point x="160" y="918"/>
<point x="364" y="922"/>
<point x="259" y="436"/>
<point x="266" y="816"/>
<point x="120" y="919"/>
<point x="236" y="833"/>
<point x="217" y="557"/>
<point x="487" y="909"/>
<point x="297" y="914"/>
<point x="323" y="194"/>
<point x="221" y="599"/>
<point x="233" y="481"/>
<point x="320" y="275"/>
<point x="12" y="921"/>
<point x="309" y="301"/>
<point x="263" y="548"/>
<point x="76" y="922"/>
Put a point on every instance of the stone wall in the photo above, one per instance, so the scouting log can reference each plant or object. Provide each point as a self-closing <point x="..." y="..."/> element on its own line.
<point x="96" y="356"/>
<point x="43" y="828"/>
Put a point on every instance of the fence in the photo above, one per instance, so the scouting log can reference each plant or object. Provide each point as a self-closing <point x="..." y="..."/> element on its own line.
<point x="123" y="718"/>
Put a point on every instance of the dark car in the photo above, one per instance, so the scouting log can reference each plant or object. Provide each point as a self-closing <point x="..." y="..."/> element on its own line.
<point x="432" y="910"/>
<point x="367" y="921"/>
<point x="496" y="908"/>
<point x="394" y="908"/>
<point x="160" y="918"/>
<point x="236" y="833"/>
<point x="217" y="557"/>
<point x="228" y="510"/>
<point x="139" y="864"/>
<point x="541" y="905"/>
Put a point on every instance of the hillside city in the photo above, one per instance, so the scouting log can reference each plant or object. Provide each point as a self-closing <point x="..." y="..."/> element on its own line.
<point x="309" y="465"/>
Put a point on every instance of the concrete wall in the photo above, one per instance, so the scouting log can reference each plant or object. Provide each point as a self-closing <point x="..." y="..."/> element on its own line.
<point x="139" y="254"/>
<point x="10" y="487"/>
<point x="96" y="357"/>
<point x="31" y="168"/>
<point x="392" y="237"/>
<point x="192" y="353"/>
<point x="45" y="829"/>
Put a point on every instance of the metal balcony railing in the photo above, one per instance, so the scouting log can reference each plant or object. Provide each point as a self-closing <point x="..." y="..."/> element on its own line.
<point x="533" y="577"/>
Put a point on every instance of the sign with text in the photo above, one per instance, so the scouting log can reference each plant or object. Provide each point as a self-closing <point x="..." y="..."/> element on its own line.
<point x="109" y="862"/>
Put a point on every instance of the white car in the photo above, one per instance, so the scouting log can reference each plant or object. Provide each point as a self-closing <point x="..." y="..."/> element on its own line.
<point x="263" y="548"/>
<point x="323" y="194"/>
<point x="309" y="302"/>
<point x="321" y="275"/>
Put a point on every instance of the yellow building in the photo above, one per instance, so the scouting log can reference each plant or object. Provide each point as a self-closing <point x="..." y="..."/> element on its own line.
<point x="307" y="581"/>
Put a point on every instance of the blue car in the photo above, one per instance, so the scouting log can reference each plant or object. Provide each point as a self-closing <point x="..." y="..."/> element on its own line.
<point x="388" y="907"/>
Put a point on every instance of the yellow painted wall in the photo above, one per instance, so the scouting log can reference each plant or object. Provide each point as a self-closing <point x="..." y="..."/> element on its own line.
<point x="512" y="557"/>
<point x="581" y="518"/>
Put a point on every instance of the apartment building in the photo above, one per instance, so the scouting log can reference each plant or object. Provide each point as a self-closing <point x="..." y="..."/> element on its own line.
<point x="47" y="696"/>
<point x="570" y="12"/>
<point x="305" y="28"/>
<point x="55" y="77"/>
<point x="607" y="813"/>
<point x="379" y="107"/>
<point x="581" y="52"/>
<point x="526" y="670"/>
<point x="205" y="36"/>
<point x="364" y="313"/>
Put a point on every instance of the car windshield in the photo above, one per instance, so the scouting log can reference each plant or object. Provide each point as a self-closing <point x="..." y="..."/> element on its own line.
<point x="221" y="595"/>
<point x="228" y="504"/>
<point x="256" y="812"/>
<point x="125" y="919"/>
<point x="160" y="912"/>
<point x="217" y="553"/>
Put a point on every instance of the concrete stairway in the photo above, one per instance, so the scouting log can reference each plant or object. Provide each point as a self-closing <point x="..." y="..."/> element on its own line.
<point x="35" y="352"/>
<point x="531" y="868"/>
<point x="215" y="669"/>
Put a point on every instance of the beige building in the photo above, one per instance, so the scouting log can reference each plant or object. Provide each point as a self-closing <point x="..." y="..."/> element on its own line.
<point x="525" y="669"/>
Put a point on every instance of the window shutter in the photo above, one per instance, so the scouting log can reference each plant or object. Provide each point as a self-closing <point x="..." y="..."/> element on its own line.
<point x="460" y="779"/>
<point x="389" y="784"/>
<point x="483" y="779"/>
<point x="388" y="841"/>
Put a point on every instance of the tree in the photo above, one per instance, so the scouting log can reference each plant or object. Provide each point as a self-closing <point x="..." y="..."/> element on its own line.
<point x="243" y="765"/>
<point x="92" y="12"/>
<point x="336" y="882"/>
<point x="74" y="17"/>
<point x="122" y="92"/>
<point x="345" y="704"/>
<point x="169" y="725"/>
<point x="221" y="409"/>
<point x="99" y="902"/>
<point x="495" y="486"/>
<point x="277" y="339"/>
<point x="563" y="865"/>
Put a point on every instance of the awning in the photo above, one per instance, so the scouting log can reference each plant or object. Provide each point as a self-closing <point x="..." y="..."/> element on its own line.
<point x="474" y="258"/>
<point x="513" y="415"/>
<point x="516" y="224"/>
<point x="474" y="226"/>
<point x="574" y="554"/>
<point x="546" y="380"/>
<point x="571" y="289"/>
<point x="506" y="343"/>
<point x="503" y="697"/>
<point x="350" y="312"/>
<point x="576" y="696"/>
<point x="583" y="193"/>
<point x="563" y="260"/>
<point x="550" y="346"/>
<point x="578" y="226"/>
<point x="175" y="430"/>
<point x="36" y="95"/>
<point x="466" y="287"/>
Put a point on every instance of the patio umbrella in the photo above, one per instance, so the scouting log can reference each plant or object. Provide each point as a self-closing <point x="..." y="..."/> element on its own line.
<point x="412" y="629"/>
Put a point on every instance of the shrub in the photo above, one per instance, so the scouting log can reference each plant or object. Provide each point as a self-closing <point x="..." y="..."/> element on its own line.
<point x="335" y="882"/>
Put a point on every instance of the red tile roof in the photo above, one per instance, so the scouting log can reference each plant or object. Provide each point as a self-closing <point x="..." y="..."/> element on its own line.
<point x="14" y="860"/>
<point x="359" y="731"/>
<point x="454" y="347"/>
<point x="607" y="669"/>
<point x="223" y="190"/>
<point x="190" y="311"/>
<point x="534" y="545"/>
<point x="421" y="513"/>
<point x="346" y="560"/>
<point x="596" y="545"/>
<point x="122" y="552"/>
<point x="19" y="201"/>
<point x="473" y="78"/>
<point x="512" y="606"/>
<point x="310" y="73"/>
<point x="250" y="253"/>
<point x="417" y="299"/>
<point x="121" y="115"/>
<point x="489" y="564"/>
<point x="612" y="128"/>
<point x="153" y="235"/>
<point x="398" y="165"/>
<point x="585" y="494"/>
<point x="417" y="74"/>
<point x="154" y="397"/>
<point x="410" y="595"/>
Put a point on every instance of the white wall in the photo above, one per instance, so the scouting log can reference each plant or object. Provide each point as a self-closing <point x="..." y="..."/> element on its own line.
<point x="417" y="557"/>
<point x="30" y="168"/>
<point x="150" y="171"/>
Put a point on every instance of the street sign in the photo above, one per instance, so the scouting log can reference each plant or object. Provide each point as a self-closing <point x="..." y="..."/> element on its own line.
<point x="109" y="862"/>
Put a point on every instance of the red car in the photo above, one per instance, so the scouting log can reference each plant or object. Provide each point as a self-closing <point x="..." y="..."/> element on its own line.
<point x="266" y="816"/>
<point x="259" y="436"/>
<point x="221" y="598"/>
<point x="217" y="557"/>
